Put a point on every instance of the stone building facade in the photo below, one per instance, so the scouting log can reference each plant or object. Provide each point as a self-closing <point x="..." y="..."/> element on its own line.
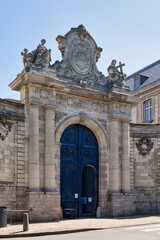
<point x="68" y="113"/>
<point x="145" y="84"/>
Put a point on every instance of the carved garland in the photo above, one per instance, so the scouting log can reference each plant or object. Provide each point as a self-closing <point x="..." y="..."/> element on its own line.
<point x="144" y="145"/>
<point x="5" y="127"/>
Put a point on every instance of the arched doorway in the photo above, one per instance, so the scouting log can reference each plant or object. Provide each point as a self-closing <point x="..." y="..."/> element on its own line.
<point x="79" y="171"/>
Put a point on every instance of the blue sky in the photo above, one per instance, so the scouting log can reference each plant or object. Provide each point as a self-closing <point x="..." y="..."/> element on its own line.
<point x="127" y="30"/>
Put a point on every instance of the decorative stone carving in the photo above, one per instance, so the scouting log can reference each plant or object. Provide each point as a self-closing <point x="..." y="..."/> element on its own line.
<point x="5" y="127"/>
<point x="103" y="122"/>
<point x="120" y="109"/>
<point x="44" y="93"/>
<point x="79" y="56"/>
<point x="39" y="57"/>
<point x="70" y="101"/>
<point x="116" y="77"/>
<point x="64" y="101"/>
<point x="144" y="145"/>
<point x="59" y="116"/>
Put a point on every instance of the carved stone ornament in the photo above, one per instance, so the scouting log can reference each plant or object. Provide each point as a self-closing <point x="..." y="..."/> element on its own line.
<point x="59" y="116"/>
<point x="79" y="56"/>
<point x="144" y="145"/>
<point x="5" y="127"/>
<point x="39" y="57"/>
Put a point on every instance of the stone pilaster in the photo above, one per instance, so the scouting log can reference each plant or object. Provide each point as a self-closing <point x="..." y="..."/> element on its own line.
<point x="50" y="183"/>
<point x="103" y="179"/>
<point x="125" y="157"/>
<point x="114" y="156"/>
<point x="34" y="148"/>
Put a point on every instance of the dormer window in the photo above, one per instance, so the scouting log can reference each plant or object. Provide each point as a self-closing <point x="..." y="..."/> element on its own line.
<point x="136" y="81"/>
<point x="139" y="79"/>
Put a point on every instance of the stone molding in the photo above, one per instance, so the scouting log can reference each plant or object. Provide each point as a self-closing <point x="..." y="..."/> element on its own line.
<point x="33" y="105"/>
<point x="47" y="107"/>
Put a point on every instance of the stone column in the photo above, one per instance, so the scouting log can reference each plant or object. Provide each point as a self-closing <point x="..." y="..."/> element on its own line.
<point x="125" y="157"/>
<point x="50" y="183"/>
<point x="114" y="156"/>
<point x="34" y="148"/>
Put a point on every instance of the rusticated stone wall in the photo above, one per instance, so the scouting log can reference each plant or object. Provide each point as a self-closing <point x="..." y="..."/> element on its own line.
<point x="145" y="167"/>
<point x="12" y="162"/>
<point x="121" y="204"/>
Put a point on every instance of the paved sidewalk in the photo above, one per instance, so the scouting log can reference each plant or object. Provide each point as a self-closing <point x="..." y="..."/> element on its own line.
<point x="75" y="225"/>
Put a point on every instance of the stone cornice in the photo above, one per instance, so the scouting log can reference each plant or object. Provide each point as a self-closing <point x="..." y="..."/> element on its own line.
<point x="28" y="78"/>
<point x="119" y="117"/>
<point x="12" y="115"/>
<point x="122" y="97"/>
<point x="64" y="87"/>
<point x="145" y="124"/>
<point x="12" y="102"/>
<point x="138" y="130"/>
<point x="151" y="135"/>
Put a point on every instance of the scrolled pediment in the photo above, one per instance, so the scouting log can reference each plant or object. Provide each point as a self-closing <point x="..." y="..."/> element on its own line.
<point x="79" y="56"/>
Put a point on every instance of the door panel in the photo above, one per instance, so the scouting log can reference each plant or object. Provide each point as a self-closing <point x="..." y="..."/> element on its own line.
<point x="68" y="185"/>
<point x="78" y="150"/>
<point x="88" y="190"/>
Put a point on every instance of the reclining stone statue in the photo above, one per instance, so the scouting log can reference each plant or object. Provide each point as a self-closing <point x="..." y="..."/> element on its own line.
<point x="39" y="57"/>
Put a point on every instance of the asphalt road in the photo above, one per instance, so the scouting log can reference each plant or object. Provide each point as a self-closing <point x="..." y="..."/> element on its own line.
<point x="141" y="232"/>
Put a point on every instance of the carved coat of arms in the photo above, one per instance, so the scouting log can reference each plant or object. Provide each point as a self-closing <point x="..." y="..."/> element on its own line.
<point x="144" y="145"/>
<point x="80" y="57"/>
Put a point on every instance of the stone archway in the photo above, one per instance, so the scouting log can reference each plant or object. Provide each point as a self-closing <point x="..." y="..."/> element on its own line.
<point x="101" y="137"/>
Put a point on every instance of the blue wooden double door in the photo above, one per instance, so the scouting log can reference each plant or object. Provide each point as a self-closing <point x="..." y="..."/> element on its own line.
<point x="79" y="170"/>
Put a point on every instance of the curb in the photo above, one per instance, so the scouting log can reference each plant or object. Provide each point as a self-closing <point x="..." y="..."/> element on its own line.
<point x="66" y="231"/>
<point x="49" y="233"/>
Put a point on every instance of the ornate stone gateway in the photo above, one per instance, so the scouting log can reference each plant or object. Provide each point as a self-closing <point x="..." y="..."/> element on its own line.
<point x="79" y="171"/>
<point x="57" y="160"/>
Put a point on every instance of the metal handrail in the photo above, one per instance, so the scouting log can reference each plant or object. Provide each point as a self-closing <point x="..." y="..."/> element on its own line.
<point x="14" y="210"/>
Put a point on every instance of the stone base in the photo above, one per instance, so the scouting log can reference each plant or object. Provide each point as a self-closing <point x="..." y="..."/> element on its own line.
<point x="13" y="198"/>
<point x="46" y="206"/>
<point x="121" y="204"/>
<point x="147" y="202"/>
